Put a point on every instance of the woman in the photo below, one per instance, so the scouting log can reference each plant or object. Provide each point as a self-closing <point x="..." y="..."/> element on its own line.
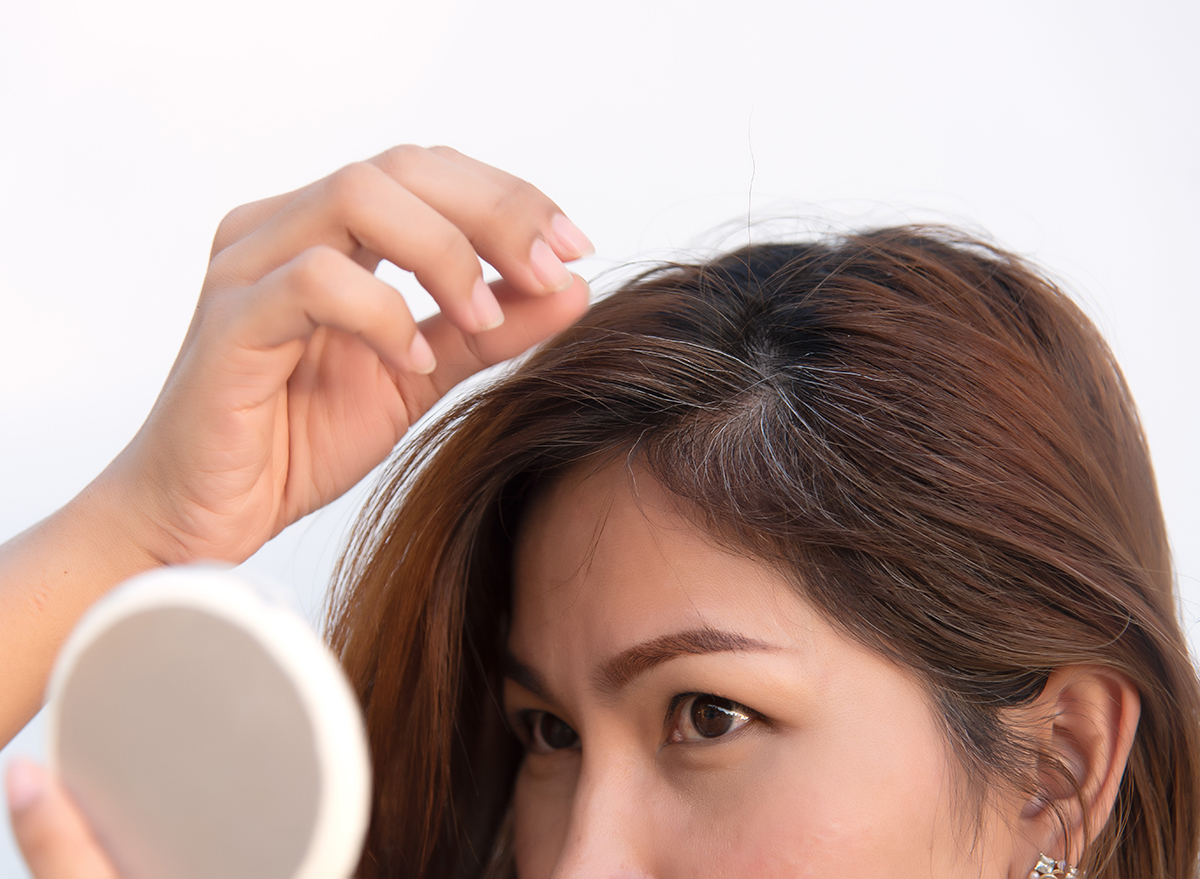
<point x="825" y="558"/>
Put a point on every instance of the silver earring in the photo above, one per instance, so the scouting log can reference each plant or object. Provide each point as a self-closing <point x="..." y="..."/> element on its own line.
<point x="1048" y="868"/>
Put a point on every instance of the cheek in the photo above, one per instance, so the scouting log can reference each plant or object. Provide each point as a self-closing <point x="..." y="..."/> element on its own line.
<point x="834" y="817"/>
<point x="541" y="813"/>
<point x="839" y="803"/>
<point x="822" y="806"/>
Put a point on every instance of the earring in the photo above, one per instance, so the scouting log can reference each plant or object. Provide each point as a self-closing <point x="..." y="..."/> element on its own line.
<point x="1048" y="868"/>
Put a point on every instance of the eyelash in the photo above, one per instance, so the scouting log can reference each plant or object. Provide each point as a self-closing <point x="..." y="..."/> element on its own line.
<point x="535" y="737"/>
<point x="683" y="708"/>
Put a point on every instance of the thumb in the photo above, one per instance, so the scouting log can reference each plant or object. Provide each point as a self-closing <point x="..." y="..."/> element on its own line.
<point x="54" y="837"/>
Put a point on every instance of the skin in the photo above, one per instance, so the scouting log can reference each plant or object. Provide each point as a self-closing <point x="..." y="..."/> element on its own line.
<point x="835" y="766"/>
<point x="300" y="372"/>
<point x="828" y="759"/>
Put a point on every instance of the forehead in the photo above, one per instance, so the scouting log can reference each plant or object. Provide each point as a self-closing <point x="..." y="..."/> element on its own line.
<point x="608" y="553"/>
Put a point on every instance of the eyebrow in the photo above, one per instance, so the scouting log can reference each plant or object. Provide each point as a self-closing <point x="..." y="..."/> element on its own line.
<point x="618" y="672"/>
<point x="621" y="670"/>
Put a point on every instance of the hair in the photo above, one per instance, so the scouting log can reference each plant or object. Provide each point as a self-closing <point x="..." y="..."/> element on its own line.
<point x="923" y="431"/>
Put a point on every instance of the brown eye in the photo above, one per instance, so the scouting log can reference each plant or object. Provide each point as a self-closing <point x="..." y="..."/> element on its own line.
<point x="709" y="717"/>
<point x="548" y="733"/>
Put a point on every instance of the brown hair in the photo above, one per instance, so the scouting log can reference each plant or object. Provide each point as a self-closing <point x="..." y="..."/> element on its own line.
<point x="924" y="431"/>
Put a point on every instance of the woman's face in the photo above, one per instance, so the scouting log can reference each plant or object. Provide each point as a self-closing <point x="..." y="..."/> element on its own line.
<point x="686" y="714"/>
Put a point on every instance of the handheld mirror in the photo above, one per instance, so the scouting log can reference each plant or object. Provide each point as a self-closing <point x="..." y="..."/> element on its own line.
<point x="207" y="734"/>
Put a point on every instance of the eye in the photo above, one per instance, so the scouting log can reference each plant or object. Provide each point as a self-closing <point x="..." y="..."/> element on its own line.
<point x="544" y="733"/>
<point x="695" y="717"/>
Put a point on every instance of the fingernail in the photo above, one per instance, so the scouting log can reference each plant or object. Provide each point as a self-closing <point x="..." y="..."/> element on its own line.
<point x="570" y="237"/>
<point x="548" y="268"/>
<point x="26" y="782"/>
<point x="420" y="356"/>
<point x="488" y="313"/>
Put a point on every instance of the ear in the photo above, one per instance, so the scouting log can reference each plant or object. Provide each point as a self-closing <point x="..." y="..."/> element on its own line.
<point x="1086" y="717"/>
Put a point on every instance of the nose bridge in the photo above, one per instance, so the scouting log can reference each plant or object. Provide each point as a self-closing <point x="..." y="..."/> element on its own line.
<point x="611" y="820"/>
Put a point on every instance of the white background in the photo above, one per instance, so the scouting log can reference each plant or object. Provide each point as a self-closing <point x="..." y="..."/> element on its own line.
<point x="1067" y="130"/>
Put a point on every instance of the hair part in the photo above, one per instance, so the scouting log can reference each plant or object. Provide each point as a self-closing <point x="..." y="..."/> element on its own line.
<point x="928" y="436"/>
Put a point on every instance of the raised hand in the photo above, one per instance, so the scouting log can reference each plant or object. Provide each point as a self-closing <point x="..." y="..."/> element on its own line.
<point x="299" y="373"/>
<point x="302" y="369"/>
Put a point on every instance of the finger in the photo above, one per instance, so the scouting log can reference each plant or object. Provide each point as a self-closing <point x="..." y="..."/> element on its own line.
<point x="512" y="224"/>
<point x="322" y="287"/>
<point x="530" y="321"/>
<point x="53" y="836"/>
<point x="360" y="207"/>
<point x="243" y="220"/>
<point x="567" y="239"/>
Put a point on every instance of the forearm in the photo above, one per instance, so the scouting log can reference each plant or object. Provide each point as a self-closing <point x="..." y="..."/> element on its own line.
<point x="49" y="575"/>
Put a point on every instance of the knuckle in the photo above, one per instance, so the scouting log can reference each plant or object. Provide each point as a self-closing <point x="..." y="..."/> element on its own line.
<point x="315" y="270"/>
<point x="449" y="246"/>
<point x="351" y="187"/>
<point x="402" y="157"/>
<point x="514" y="197"/>
<point x="231" y="227"/>
<point x="444" y="152"/>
